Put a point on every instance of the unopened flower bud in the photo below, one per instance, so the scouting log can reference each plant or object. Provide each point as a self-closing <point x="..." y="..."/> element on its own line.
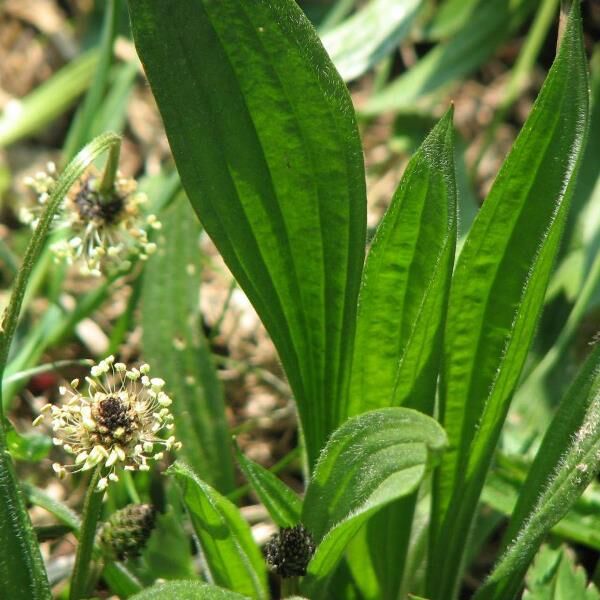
<point x="126" y="532"/>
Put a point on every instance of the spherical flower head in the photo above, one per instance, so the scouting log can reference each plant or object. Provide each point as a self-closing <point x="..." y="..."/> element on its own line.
<point x="126" y="532"/>
<point x="106" y="228"/>
<point x="115" y="423"/>
<point x="290" y="551"/>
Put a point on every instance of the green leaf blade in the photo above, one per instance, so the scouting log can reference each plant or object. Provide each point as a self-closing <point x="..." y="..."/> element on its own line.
<point x="370" y="461"/>
<point x="566" y="463"/>
<point x="264" y="137"/>
<point x="173" y="340"/>
<point x="283" y="504"/>
<point x="555" y="576"/>
<point x="402" y="302"/>
<point x="232" y="557"/>
<point x="402" y="310"/>
<point x="187" y="590"/>
<point x="497" y="294"/>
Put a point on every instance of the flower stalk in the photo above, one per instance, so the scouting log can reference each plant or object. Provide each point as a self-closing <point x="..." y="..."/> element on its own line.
<point x="110" y="170"/>
<point x="92" y="508"/>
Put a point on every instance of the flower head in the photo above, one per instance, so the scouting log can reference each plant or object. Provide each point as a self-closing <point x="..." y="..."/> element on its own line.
<point x="41" y="184"/>
<point x="106" y="227"/>
<point x="290" y="551"/>
<point x="116" y="422"/>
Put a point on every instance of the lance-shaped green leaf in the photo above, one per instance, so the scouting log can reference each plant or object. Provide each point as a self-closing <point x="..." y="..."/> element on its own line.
<point x="232" y="558"/>
<point x="187" y="590"/>
<point x="174" y="341"/>
<point x="496" y="296"/>
<point x="403" y="296"/>
<point x="370" y="461"/>
<point x="361" y="41"/>
<point x="283" y="504"/>
<point x="402" y="308"/>
<point x="567" y="462"/>
<point x="264" y="136"/>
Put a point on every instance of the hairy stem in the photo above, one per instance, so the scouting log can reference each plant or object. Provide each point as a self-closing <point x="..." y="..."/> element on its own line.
<point x="110" y="169"/>
<point x="92" y="507"/>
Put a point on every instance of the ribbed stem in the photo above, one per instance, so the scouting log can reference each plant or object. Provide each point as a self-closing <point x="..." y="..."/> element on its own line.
<point x="92" y="507"/>
<point x="289" y="586"/>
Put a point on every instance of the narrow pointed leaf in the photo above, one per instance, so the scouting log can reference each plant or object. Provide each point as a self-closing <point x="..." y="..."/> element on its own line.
<point x="283" y="504"/>
<point x="567" y="462"/>
<point x="264" y="136"/>
<point x="402" y="308"/>
<point x="496" y="296"/>
<point x="174" y="342"/>
<point x="403" y="296"/>
<point x="370" y="461"/>
<point x="232" y="557"/>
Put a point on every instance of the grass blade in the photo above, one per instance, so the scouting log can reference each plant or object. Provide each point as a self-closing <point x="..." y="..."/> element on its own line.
<point x="497" y="294"/>
<point x="173" y="338"/>
<point x="265" y="140"/>
<point x="361" y="41"/>
<point x="47" y="101"/>
<point x="490" y="23"/>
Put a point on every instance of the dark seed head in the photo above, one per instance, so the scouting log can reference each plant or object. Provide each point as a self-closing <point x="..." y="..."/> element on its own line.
<point x="93" y="206"/>
<point x="290" y="551"/>
<point x="113" y="413"/>
<point x="125" y="534"/>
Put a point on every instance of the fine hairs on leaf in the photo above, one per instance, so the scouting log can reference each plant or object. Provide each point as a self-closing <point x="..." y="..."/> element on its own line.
<point x="366" y="361"/>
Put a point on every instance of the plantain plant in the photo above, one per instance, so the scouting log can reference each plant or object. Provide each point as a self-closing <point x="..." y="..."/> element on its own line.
<point x="402" y="360"/>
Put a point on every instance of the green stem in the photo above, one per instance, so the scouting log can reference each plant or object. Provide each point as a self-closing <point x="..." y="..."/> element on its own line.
<point x="92" y="506"/>
<point x="289" y="586"/>
<point x="73" y="171"/>
<point x="130" y="487"/>
<point x="110" y="170"/>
